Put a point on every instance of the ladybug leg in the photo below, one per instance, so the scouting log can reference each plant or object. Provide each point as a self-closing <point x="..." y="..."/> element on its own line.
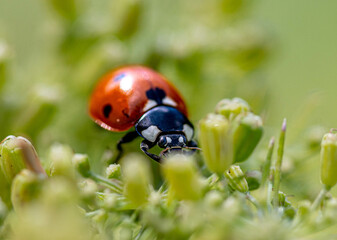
<point x="129" y="137"/>
<point x="145" y="146"/>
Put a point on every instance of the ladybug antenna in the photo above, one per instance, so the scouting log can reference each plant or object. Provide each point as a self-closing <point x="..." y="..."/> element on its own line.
<point x="194" y="148"/>
<point x="167" y="150"/>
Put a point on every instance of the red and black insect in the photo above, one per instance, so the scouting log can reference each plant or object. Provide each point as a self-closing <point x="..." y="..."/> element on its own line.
<point x="140" y="97"/>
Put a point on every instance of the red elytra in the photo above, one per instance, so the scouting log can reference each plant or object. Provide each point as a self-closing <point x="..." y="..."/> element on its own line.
<point x="120" y="97"/>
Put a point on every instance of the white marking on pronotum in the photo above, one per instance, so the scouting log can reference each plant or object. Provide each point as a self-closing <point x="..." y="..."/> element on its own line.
<point x="169" y="101"/>
<point x="181" y="139"/>
<point x="150" y="104"/>
<point x="188" y="132"/>
<point x="151" y="133"/>
<point x="168" y="140"/>
<point x="126" y="83"/>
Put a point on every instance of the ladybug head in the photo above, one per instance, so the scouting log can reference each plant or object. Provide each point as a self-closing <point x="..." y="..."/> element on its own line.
<point x="172" y="140"/>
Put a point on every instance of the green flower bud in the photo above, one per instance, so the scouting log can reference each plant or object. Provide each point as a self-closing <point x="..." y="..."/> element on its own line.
<point x="232" y="206"/>
<point x="236" y="179"/>
<point x="289" y="212"/>
<point x="181" y="174"/>
<point x="11" y="159"/>
<point x="303" y="210"/>
<point x="25" y="188"/>
<point x="17" y="153"/>
<point x="113" y="171"/>
<point x="216" y="142"/>
<point x="81" y="163"/>
<point x="329" y="160"/>
<point x="137" y="179"/>
<point x="32" y="161"/>
<point x="100" y="216"/>
<point x="59" y="192"/>
<point x="88" y="189"/>
<point x="230" y="108"/>
<point x="213" y="199"/>
<point x="61" y="157"/>
<point x="254" y="179"/>
<point x="246" y="135"/>
<point x="283" y="201"/>
<point x="110" y="202"/>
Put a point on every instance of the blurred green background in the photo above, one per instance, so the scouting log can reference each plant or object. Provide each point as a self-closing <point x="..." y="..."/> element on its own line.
<point x="278" y="55"/>
<point x="305" y="60"/>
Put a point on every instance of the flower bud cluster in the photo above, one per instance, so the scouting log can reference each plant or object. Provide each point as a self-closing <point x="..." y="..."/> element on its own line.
<point x="236" y="179"/>
<point x="229" y="135"/>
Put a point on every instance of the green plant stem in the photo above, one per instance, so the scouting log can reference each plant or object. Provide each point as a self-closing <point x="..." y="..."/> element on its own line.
<point x="270" y="191"/>
<point x="267" y="164"/>
<point x="112" y="183"/>
<point x="139" y="235"/>
<point x="251" y="199"/>
<point x="278" y="164"/>
<point x="320" y="198"/>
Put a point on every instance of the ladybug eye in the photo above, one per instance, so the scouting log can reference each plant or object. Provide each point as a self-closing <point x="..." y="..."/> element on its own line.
<point x="162" y="142"/>
<point x="107" y="110"/>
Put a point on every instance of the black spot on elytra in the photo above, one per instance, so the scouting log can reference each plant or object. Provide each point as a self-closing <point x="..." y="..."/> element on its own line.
<point x="107" y="109"/>
<point x="156" y="94"/>
<point x="125" y="113"/>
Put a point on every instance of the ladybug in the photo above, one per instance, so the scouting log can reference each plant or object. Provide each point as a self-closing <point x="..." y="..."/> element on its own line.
<point x="140" y="97"/>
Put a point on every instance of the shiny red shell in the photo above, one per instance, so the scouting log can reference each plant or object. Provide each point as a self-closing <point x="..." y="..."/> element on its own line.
<point x="120" y="97"/>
